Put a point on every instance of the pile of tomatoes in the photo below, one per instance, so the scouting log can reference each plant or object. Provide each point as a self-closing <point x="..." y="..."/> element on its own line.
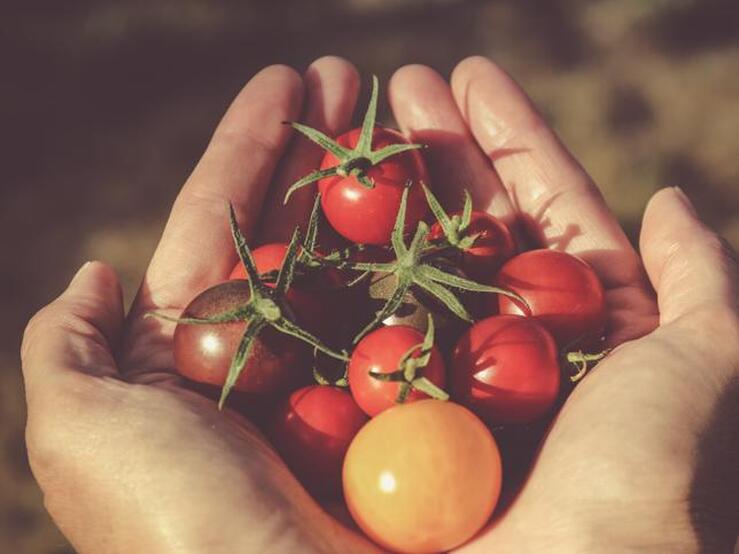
<point x="385" y="367"/>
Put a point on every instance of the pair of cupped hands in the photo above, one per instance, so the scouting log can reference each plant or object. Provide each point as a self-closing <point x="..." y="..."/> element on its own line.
<point x="642" y="457"/>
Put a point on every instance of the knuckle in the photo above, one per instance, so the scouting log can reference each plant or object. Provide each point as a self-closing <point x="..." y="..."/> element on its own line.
<point x="35" y="326"/>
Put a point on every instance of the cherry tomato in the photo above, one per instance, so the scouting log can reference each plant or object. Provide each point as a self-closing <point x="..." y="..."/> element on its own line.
<point x="563" y="294"/>
<point x="381" y="351"/>
<point x="312" y="296"/>
<point x="493" y="246"/>
<point x="422" y="477"/>
<point x="505" y="369"/>
<point x="312" y="430"/>
<point x="203" y="353"/>
<point x="267" y="258"/>
<point x="365" y="215"/>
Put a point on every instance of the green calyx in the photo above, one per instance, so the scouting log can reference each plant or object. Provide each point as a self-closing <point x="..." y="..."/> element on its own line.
<point x="583" y="361"/>
<point x="354" y="162"/>
<point x="265" y="306"/>
<point x="454" y="227"/>
<point x="413" y="268"/>
<point x="410" y="366"/>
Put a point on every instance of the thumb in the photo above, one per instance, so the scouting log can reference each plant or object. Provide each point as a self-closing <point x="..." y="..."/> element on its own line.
<point x="690" y="267"/>
<point x="75" y="332"/>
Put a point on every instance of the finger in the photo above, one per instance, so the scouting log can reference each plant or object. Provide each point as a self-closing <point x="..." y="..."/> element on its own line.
<point x="331" y="86"/>
<point x="690" y="267"/>
<point x="196" y="249"/>
<point x="563" y="207"/>
<point x="75" y="332"/>
<point x="425" y="110"/>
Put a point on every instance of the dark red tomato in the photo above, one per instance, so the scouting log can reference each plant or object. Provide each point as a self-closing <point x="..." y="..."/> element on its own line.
<point x="312" y="431"/>
<point x="381" y="352"/>
<point x="505" y="369"/>
<point x="203" y="353"/>
<point x="367" y="216"/>
<point x="563" y="293"/>
<point x="494" y="245"/>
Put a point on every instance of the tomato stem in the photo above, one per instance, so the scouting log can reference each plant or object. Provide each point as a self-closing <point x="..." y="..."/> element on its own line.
<point x="410" y="365"/>
<point x="582" y="362"/>
<point x="354" y="162"/>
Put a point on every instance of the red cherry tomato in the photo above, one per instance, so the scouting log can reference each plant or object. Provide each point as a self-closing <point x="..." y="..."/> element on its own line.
<point x="422" y="477"/>
<point x="312" y="296"/>
<point x="505" y="369"/>
<point x="312" y="430"/>
<point x="381" y="352"/>
<point x="494" y="245"/>
<point x="267" y="258"/>
<point x="563" y="293"/>
<point x="203" y="353"/>
<point x="367" y="216"/>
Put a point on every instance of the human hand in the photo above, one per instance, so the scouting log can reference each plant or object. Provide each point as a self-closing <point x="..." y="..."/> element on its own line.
<point x="643" y="455"/>
<point x="89" y="417"/>
<point x="128" y="458"/>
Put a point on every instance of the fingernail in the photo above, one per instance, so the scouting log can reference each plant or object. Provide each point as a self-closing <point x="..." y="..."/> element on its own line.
<point x="80" y="271"/>
<point x="680" y="193"/>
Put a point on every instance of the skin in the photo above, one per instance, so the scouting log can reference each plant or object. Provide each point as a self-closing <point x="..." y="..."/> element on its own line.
<point x="110" y="438"/>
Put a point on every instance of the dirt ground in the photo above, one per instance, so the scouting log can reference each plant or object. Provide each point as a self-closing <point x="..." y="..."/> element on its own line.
<point x="105" y="107"/>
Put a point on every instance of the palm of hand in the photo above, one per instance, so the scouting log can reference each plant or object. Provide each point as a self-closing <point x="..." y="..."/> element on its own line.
<point x="207" y="480"/>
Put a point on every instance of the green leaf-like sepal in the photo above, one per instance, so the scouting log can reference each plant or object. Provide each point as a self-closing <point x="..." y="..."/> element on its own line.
<point x="466" y="212"/>
<point x="364" y="144"/>
<point x="256" y="288"/>
<point x="322" y="140"/>
<point x="287" y="270"/>
<point x="392" y="150"/>
<point x="439" y="276"/>
<point x="286" y="326"/>
<point x="397" y="236"/>
<point x="311" y="232"/>
<point x="312" y="177"/>
<point x="390" y="307"/>
<point x="427" y="386"/>
<point x="445" y="296"/>
<point x="239" y="360"/>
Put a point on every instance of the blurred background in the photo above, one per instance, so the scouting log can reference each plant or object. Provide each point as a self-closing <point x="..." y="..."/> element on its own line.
<point x="105" y="106"/>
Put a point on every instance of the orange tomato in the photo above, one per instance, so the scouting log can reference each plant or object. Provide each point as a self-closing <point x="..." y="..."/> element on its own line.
<point x="422" y="477"/>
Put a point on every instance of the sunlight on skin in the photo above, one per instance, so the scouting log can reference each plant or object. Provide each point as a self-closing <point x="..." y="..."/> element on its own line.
<point x="129" y="460"/>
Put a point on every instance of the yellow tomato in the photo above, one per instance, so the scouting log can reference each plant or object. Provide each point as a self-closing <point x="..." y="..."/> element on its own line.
<point x="422" y="477"/>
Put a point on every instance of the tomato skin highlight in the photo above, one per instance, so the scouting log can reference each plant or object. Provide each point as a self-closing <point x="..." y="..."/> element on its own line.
<point x="203" y="353"/>
<point x="505" y="369"/>
<point x="422" y="477"/>
<point x="367" y="216"/>
<point x="563" y="293"/>
<point x="312" y="430"/>
<point x="381" y="351"/>
<point x="493" y="246"/>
